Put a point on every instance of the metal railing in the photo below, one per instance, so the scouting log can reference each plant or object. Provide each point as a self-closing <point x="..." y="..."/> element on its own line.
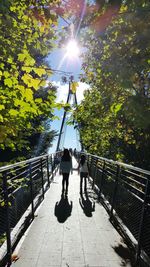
<point x="125" y="191"/>
<point x="22" y="188"/>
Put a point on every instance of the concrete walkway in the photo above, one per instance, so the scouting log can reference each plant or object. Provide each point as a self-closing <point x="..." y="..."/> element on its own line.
<point x="71" y="232"/>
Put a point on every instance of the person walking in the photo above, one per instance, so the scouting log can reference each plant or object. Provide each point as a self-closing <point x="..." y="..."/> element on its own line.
<point x="83" y="169"/>
<point x="65" y="168"/>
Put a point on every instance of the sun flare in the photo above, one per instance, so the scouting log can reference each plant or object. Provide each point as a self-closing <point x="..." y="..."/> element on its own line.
<point x="72" y="49"/>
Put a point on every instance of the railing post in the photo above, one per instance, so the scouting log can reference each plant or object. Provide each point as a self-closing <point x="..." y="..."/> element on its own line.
<point x="48" y="171"/>
<point x="42" y="178"/>
<point x="6" y="201"/>
<point x="31" y="190"/>
<point x="94" y="176"/>
<point x="115" y="190"/>
<point x="88" y="167"/>
<point x="102" y="178"/>
<point x="56" y="163"/>
<point x="143" y="216"/>
<point x="52" y="167"/>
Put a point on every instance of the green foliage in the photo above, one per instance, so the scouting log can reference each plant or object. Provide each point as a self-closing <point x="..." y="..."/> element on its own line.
<point x="37" y="134"/>
<point x="27" y="34"/>
<point x="114" y="118"/>
<point x="2" y="239"/>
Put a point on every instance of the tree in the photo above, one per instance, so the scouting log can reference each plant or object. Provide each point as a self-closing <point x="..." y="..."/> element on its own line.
<point x="116" y="65"/>
<point x="27" y="34"/>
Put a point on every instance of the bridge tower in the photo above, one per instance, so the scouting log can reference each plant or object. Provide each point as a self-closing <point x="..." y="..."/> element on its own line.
<point x="71" y="94"/>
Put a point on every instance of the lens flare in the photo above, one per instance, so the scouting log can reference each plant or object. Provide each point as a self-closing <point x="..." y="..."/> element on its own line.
<point x="72" y="49"/>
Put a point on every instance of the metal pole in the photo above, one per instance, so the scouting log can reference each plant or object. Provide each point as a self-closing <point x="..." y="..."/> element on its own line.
<point x="75" y="98"/>
<point x="31" y="191"/>
<point x="95" y="172"/>
<point x="52" y="167"/>
<point x="48" y="171"/>
<point x="102" y="178"/>
<point x="82" y="147"/>
<point x="6" y="201"/>
<point x="63" y="121"/>
<point x="115" y="190"/>
<point x="42" y="178"/>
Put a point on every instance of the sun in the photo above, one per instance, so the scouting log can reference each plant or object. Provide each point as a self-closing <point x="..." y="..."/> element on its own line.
<point x="72" y="49"/>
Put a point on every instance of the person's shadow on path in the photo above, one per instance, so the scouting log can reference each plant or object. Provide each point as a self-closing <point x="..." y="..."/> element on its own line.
<point x="63" y="209"/>
<point x="87" y="205"/>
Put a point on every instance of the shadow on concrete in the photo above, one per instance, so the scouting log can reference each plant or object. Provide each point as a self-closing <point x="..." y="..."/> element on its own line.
<point x="86" y="204"/>
<point x="63" y="209"/>
<point x="125" y="254"/>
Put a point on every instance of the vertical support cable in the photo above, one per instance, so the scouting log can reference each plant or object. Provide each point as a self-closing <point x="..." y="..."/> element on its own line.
<point x="31" y="190"/>
<point x="6" y="202"/>
<point x="81" y="144"/>
<point x="42" y="177"/>
<point x="48" y="171"/>
<point x="63" y="120"/>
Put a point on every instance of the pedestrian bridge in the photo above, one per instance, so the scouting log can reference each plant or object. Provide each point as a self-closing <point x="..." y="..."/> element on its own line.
<point x="107" y="226"/>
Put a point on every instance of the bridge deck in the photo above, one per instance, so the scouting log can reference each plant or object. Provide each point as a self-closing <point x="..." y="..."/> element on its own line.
<point x="71" y="232"/>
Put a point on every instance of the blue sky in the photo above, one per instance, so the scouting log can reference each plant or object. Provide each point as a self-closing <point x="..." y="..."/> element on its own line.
<point x="73" y="65"/>
<point x="71" y="135"/>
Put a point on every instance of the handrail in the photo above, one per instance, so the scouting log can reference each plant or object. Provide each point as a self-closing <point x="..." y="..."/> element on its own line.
<point x="4" y="168"/>
<point x="22" y="187"/>
<point x="125" y="187"/>
<point x="119" y="163"/>
<point x="125" y="190"/>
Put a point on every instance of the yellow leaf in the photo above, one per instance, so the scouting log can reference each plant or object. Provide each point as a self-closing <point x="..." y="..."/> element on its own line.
<point x="1" y="118"/>
<point x="27" y="79"/>
<point x="18" y="103"/>
<point x="21" y="88"/>
<point x="28" y="95"/>
<point x="31" y="61"/>
<point x="6" y="74"/>
<point x="38" y="100"/>
<point x="35" y="83"/>
<point x="39" y="71"/>
<point x="8" y="82"/>
<point x="21" y="57"/>
<point x="27" y="69"/>
<point x="42" y="29"/>
<point x="2" y="107"/>
<point x="55" y="23"/>
<point x="2" y="66"/>
<point x="74" y="86"/>
<point x="43" y="83"/>
<point x="2" y="204"/>
<point x="13" y="112"/>
<point x="123" y="8"/>
<point x="10" y="60"/>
